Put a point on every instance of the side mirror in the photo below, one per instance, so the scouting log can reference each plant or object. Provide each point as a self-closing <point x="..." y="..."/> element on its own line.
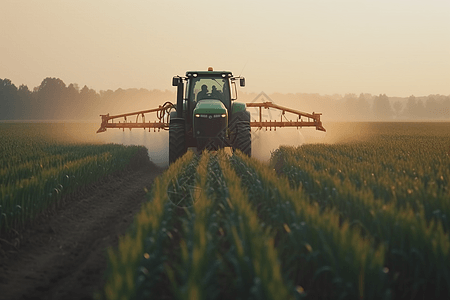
<point x="175" y="81"/>
<point x="242" y="81"/>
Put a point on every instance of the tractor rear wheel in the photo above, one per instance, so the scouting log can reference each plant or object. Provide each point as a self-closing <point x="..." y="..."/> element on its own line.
<point x="177" y="141"/>
<point x="243" y="140"/>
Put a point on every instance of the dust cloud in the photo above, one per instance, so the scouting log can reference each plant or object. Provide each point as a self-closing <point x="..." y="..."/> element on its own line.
<point x="265" y="142"/>
<point x="70" y="132"/>
<point x="157" y="143"/>
<point x="341" y="132"/>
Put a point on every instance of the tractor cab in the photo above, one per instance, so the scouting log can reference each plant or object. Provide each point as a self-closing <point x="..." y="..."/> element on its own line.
<point x="209" y="85"/>
<point x="205" y="107"/>
<point x="207" y="92"/>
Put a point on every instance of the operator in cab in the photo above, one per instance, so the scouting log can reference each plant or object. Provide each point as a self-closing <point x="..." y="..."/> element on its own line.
<point x="203" y="94"/>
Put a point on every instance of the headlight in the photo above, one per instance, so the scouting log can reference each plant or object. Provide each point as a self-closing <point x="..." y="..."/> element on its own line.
<point x="210" y="116"/>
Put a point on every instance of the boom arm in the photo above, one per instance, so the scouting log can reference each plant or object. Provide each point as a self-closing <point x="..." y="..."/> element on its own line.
<point x="313" y="119"/>
<point x="162" y="114"/>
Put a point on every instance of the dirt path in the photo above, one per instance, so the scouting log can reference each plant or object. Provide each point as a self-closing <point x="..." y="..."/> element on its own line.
<point x="65" y="257"/>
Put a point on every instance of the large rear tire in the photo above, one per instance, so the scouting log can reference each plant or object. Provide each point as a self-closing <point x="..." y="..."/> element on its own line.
<point x="177" y="141"/>
<point x="243" y="140"/>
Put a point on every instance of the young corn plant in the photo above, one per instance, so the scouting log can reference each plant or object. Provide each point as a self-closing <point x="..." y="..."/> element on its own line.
<point x="196" y="277"/>
<point x="321" y="256"/>
<point x="137" y="266"/>
<point x="415" y="243"/>
<point x="253" y="255"/>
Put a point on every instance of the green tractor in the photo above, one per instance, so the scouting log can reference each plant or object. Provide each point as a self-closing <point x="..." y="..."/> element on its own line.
<point x="206" y="116"/>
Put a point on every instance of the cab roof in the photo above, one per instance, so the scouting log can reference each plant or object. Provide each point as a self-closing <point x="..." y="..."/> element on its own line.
<point x="209" y="73"/>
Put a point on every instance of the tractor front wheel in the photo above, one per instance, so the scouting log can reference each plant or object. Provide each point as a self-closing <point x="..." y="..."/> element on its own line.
<point x="177" y="141"/>
<point x="243" y="140"/>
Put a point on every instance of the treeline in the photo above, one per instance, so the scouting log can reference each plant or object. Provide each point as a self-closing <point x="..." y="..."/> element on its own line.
<point x="54" y="100"/>
<point x="363" y="107"/>
<point x="382" y="107"/>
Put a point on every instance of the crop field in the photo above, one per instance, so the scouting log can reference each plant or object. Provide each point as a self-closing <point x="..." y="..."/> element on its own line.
<point x="362" y="215"/>
<point x="39" y="167"/>
<point x="362" y="218"/>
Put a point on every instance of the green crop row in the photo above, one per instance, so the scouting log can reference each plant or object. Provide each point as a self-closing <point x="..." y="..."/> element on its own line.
<point x="37" y="171"/>
<point x="322" y="256"/>
<point x="253" y="255"/>
<point x="214" y="248"/>
<point x="137" y="268"/>
<point x="357" y="220"/>
<point x="396" y="190"/>
<point x="247" y="235"/>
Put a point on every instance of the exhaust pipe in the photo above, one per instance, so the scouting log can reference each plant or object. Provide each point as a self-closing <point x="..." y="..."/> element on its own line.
<point x="180" y="88"/>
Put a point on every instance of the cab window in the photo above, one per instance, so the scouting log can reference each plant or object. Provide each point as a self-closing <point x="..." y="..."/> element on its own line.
<point x="210" y="88"/>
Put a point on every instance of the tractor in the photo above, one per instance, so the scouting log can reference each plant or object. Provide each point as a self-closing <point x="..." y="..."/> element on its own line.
<point x="207" y="117"/>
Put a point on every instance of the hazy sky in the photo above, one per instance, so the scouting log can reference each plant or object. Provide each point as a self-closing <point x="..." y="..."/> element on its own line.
<point x="397" y="47"/>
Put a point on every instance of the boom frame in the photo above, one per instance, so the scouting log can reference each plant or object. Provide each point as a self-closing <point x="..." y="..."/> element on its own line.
<point x="313" y="119"/>
<point x="162" y="114"/>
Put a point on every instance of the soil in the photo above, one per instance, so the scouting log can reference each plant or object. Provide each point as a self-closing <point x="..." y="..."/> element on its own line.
<point x="63" y="256"/>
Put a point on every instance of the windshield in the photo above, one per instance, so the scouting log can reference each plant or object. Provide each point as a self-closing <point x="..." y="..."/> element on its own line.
<point x="210" y="88"/>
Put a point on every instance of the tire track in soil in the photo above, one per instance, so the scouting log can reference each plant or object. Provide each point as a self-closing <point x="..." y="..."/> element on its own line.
<point x="65" y="256"/>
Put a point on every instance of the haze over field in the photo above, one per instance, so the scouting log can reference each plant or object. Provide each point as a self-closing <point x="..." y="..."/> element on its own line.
<point x="399" y="48"/>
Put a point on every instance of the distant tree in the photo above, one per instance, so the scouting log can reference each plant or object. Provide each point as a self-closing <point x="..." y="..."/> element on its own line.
<point x="73" y="92"/>
<point x="410" y="109"/>
<point x="51" y="97"/>
<point x="382" y="108"/>
<point x="355" y="108"/>
<point x="420" y="109"/>
<point x="8" y="98"/>
<point x="51" y="85"/>
<point x="351" y="111"/>
<point x="67" y="107"/>
<point x="24" y="103"/>
<point x="364" y="106"/>
<point x="398" y="106"/>
<point x="432" y="108"/>
<point x="106" y="94"/>
<point x="88" y="94"/>
<point x="446" y="107"/>
<point x="89" y="100"/>
<point x="415" y="108"/>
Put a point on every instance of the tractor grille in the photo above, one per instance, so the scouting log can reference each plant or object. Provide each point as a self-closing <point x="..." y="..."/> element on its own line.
<point x="209" y="127"/>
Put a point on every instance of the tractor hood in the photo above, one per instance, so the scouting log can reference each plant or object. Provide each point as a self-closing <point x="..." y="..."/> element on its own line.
<point x="210" y="122"/>
<point x="210" y="107"/>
